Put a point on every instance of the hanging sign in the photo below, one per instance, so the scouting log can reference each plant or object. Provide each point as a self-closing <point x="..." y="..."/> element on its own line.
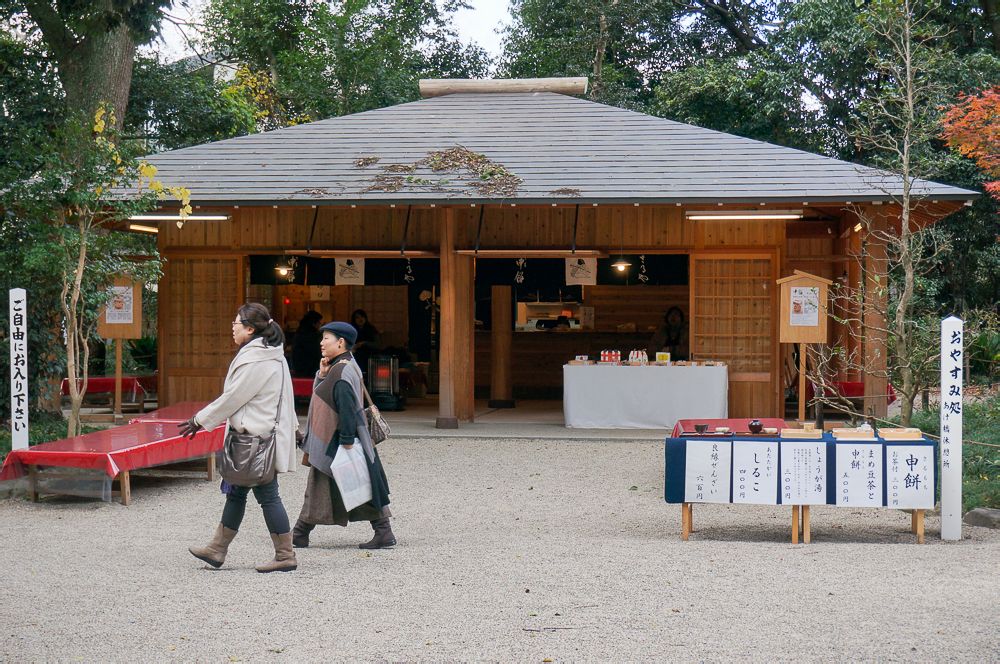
<point x="803" y="473"/>
<point x="19" y="368"/>
<point x="350" y="272"/>
<point x="581" y="271"/>
<point x="755" y="472"/>
<point x="707" y="471"/>
<point x="952" y="348"/>
<point x="859" y="474"/>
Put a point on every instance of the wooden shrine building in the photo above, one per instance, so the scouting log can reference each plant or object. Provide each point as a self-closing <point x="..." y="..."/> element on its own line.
<point x="453" y="190"/>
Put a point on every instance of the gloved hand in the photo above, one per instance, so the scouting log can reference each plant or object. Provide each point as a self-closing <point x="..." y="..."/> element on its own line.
<point x="189" y="428"/>
<point x="299" y="438"/>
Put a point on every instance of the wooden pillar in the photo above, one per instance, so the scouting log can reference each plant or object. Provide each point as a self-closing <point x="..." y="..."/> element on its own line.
<point x="876" y="300"/>
<point x="456" y="391"/>
<point x="118" y="382"/>
<point x="501" y="380"/>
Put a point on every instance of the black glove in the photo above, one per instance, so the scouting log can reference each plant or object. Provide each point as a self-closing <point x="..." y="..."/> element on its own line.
<point x="189" y="428"/>
<point x="299" y="438"/>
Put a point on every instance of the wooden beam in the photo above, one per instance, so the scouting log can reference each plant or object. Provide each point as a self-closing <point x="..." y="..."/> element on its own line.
<point x="435" y="87"/>
<point x="532" y="253"/>
<point x="501" y="379"/>
<point x="457" y="383"/>
<point x="876" y="300"/>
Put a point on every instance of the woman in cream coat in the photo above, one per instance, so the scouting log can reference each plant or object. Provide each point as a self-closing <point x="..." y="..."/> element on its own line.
<point x="257" y="382"/>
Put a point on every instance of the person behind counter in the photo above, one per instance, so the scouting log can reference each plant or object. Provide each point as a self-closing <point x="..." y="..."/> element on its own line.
<point x="305" y="347"/>
<point x="671" y="337"/>
<point x="368" y="339"/>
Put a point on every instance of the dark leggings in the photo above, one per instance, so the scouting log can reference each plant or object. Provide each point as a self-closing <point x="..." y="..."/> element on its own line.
<point x="270" y="501"/>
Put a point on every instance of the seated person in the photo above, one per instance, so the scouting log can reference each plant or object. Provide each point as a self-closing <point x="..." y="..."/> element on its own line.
<point x="671" y="337"/>
<point x="368" y="339"/>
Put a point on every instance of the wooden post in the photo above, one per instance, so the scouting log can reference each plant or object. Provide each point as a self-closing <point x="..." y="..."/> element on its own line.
<point x="33" y="483"/>
<point x="501" y="380"/>
<point x="457" y="381"/>
<point x="802" y="382"/>
<point x="876" y="300"/>
<point x="795" y="524"/>
<point x="210" y="470"/>
<point x="806" y="533"/>
<point x="685" y="521"/>
<point x="118" y="381"/>
<point x="125" y="487"/>
<point x="917" y="525"/>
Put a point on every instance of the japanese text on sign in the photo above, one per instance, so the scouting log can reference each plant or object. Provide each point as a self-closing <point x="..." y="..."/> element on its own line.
<point x="910" y="476"/>
<point x="859" y="475"/>
<point x="707" y="471"/>
<point x="19" y="368"/>
<point x="803" y="473"/>
<point x="755" y="472"/>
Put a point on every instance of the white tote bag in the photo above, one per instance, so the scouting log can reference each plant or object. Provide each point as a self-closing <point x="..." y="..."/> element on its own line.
<point x="350" y="472"/>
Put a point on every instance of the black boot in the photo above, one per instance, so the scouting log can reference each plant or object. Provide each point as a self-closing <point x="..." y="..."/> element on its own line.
<point x="300" y="534"/>
<point x="383" y="538"/>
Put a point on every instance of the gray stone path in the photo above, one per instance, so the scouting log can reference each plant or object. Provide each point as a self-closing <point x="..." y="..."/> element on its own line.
<point x="510" y="550"/>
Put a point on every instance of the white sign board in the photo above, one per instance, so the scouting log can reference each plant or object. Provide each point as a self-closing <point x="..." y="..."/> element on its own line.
<point x="755" y="472"/>
<point x="581" y="271"/>
<point x="909" y="476"/>
<point x="19" y="368"/>
<point x="859" y="474"/>
<point x="120" y="306"/>
<point x="804" y="311"/>
<point x="349" y="271"/>
<point x="707" y="471"/>
<point x="952" y="351"/>
<point x="803" y="473"/>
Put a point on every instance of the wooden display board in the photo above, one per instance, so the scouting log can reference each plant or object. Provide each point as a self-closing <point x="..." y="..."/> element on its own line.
<point x="803" y="316"/>
<point x="803" y="309"/>
<point x="122" y="317"/>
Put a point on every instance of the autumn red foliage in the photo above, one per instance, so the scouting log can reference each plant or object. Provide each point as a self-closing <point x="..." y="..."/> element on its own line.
<point x="972" y="127"/>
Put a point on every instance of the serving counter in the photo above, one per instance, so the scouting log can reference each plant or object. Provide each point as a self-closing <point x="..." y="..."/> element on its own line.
<point x="644" y="397"/>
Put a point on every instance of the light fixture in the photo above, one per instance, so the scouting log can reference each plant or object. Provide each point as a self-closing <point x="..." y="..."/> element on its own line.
<point x="621" y="264"/>
<point x="143" y="229"/>
<point x="177" y="217"/>
<point x="286" y="270"/>
<point x="743" y="215"/>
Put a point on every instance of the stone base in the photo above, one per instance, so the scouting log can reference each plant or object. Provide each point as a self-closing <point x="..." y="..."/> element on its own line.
<point x="446" y="423"/>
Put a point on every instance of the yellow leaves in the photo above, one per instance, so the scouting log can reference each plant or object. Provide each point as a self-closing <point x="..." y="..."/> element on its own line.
<point x="99" y="124"/>
<point x="98" y="190"/>
<point x="147" y="171"/>
<point x="156" y="186"/>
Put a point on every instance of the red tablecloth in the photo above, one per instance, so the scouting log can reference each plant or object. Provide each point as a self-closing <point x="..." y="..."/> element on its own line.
<point x="302" y="387"/>
<point x="106" y="384"/>
<point x="736" y="425"/>
<point x="128" y="447"/>
<point x="852" y="390"/>
<point x="176" y="413"/>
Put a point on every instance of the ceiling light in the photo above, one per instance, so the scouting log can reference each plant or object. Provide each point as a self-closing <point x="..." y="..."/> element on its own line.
<point x="143" y="229"/>
<point x="743" y="215"/>
<point x="177" y="217"/>
<point x="621" y="264"/>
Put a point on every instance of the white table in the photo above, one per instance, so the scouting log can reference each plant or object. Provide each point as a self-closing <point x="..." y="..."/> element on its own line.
<point x="650" y="397"/>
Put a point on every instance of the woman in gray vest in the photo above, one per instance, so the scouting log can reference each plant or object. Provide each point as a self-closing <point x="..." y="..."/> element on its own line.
<point x="336" y="418"/>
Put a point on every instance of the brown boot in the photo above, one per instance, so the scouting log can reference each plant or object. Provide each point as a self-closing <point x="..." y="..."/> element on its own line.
<point x="284" y="556"/>
<point x="383" y="538"/>
<point x="215" y="552"/>
<point x="300" y="534"/>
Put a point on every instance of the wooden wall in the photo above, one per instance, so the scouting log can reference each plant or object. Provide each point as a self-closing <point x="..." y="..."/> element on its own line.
<point x="202" y="251"/>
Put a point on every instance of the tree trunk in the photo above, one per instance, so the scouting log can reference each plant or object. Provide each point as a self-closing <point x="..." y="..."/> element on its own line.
<point x="991" y="12"/>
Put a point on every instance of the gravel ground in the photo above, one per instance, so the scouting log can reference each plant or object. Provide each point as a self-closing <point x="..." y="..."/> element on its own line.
<point x="509" y="550"/>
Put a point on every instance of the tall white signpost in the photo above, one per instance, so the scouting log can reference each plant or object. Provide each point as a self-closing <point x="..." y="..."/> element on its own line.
<point x="952" y="359"/>
<point x="19" y="368"/>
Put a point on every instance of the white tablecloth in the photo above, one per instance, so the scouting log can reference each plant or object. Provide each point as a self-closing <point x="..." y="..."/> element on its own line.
<point x="650" y="397"/>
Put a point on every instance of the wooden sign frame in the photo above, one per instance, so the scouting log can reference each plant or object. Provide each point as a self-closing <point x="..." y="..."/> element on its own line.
<point x="115" y="330"/>
<point x="790" y="333"/>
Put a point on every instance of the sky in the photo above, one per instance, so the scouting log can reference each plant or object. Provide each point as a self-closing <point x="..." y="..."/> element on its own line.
<point x="478" y="24"/>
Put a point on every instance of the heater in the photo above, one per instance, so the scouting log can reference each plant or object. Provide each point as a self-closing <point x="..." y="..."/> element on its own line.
<point x="383" y="382"/>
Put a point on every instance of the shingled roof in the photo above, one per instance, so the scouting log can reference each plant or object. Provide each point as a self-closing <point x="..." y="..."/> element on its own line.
<point x="538" y="147"/>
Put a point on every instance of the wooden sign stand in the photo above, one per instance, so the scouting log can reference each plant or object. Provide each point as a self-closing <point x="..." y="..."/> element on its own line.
<point x="128" y="311"/>
<point x="804" y="312"/>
